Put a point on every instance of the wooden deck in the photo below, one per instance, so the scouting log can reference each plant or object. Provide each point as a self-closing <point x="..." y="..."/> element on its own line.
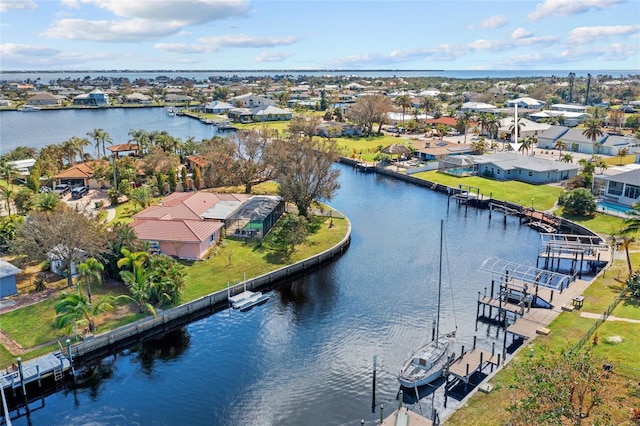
<point x="405" y="417"/>
<point x="495" y="303"/>
<point x="470" y="362"/>
<point x="53" y="364"/>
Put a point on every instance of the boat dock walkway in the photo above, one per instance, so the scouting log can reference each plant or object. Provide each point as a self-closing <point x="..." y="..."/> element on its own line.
<point x="470" y="362"/>
<point x="405" y="417"/>
<point x="53" y="364"/>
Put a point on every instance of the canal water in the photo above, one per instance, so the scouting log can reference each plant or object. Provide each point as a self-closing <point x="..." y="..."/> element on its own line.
<point x="306" y="356"/>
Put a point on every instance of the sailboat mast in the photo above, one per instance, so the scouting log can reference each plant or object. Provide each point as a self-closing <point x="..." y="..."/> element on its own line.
<point x="439" y="281"/>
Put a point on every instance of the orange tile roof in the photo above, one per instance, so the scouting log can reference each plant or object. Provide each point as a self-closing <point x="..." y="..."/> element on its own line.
<point x="82" y="170"/>
<point x="449" y="121"/>
<point x="123" y="147"/>
<point x="188" y="231"/>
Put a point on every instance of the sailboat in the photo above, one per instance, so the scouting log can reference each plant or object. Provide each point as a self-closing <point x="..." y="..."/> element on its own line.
<point x="428" y="362"/>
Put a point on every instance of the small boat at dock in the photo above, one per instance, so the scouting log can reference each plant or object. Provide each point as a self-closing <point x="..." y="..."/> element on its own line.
<point x="247" y="299"/>
<point x="29" y="108"/>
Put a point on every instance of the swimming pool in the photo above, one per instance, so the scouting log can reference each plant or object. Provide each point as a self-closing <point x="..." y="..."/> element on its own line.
<point x="613" y="208"/>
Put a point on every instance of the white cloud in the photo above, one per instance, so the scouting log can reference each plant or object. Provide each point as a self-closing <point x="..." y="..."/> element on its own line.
<point x="496" y="21"/>
<point x="213" y="44"/>
<point x="192" y="12"/>
<point x="582" y="35"/>
<point x="519" y="33"/>
<point x="243" y="40"/>
<point x="110" y="31"/>
<point x="568" y="7"/>
<point x="268" y="56"/>
<point x="143" y="20"/>
<point x="495" y="45"/>
<point x="6" y="5"/>
<point x="13" y="50"/>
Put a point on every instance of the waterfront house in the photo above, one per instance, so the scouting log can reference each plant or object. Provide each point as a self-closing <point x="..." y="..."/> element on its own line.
<point x="513" y="166"/>
<point x="187" y="225"/>
<point x="44" y="99"/>
<point x="623" y="188"/>
<point x="98" y="97"/>
<point x="22" y="167"/>
<point x="137" y="98"/>
<point x="123" y="148"/>
<point x="259" y="114"/>
<point x="8" y="274"/>
<point x="249" y="100"/>
<point x="217" y="107"/>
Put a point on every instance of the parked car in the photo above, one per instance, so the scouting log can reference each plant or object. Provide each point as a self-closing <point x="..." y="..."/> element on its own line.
<point x="62" y="189"/>
<point x="43" y="189"/>
<point x="79" y="192"/>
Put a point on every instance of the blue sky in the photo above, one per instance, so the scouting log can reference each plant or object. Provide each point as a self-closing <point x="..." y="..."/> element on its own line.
<point x="329" y="34"/>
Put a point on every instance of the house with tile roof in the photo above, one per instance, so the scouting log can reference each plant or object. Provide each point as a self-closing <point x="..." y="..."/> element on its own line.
<point x="575" y="140"/>
<point x="79" y="175"/>
<point x="187" y="225"/>
<point x="8" y="274"/>
<point x="44" y="99"/>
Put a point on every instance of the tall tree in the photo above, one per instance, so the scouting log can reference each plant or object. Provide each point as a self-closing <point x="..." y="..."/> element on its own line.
<point x="141" y="138"/>
<point x="304" y="171"/>
<point x="252" y="151"/>
<point x="592" y="132"/>
<point x="63" y="234"/>
<point x="100" y="138"/>
<point x="369" y="110"/>
<point x="90" y="271"/>
<point x="404" y="102"/>
<point x="560" y="145"/>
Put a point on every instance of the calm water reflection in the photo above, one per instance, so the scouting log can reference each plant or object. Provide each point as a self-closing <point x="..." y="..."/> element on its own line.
<point x="305" y="357"/>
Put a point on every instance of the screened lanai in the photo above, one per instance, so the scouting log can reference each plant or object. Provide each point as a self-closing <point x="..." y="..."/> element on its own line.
<point x="255" y="217"/>
<point x="457" y="165"/>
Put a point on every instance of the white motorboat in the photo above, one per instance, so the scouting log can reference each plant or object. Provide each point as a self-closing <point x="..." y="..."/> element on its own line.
<point x="29" y="108"/>
<point x="247" y="299"/>
<point x="428" y="362"/>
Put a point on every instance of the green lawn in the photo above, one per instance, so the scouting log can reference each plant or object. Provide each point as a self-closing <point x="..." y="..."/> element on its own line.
<point x="600" y="223"/>
<point x="544" y="196"/>
<point x="232" y="259"/>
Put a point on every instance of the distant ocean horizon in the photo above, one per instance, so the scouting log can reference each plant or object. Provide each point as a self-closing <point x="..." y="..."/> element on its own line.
<point x="203" y="75"/>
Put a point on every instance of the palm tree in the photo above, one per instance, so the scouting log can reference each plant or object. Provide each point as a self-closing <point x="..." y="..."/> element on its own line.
<point x="623" y="242"/>
<point x="567" y="158"/>
<point x="592" y="132"/>
<point x="7" y="195"/>
<point x="132" y="259"/>
<point x="46" y="202"/>
<point x="633" y="222"/>
<point x="70" y="148"/>
<point x="622" y="152"/>
<point x="141" y="138"/>
<point x="139" y="283"/>
<point x="72" y="308"/>
<point x="100" y="138"/>
<point x="428" y="104"/>
<point x="526" y="144"/>
<point x="91" y="272"/>
<point x="7" y="171"/>
<point x="404" y="102"/>
<point x="491" y="125"/>
<point x="560" y="144"/>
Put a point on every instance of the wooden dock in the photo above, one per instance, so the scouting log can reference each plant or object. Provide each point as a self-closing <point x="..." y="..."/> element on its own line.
<point x="405" y="417"/>
<point x="54" y="364"/>
<point x="471" y="362"/>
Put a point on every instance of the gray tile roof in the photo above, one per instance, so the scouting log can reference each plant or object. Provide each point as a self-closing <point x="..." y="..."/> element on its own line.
<point x="629" y="178"/>
<point x="7" y="269"/>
